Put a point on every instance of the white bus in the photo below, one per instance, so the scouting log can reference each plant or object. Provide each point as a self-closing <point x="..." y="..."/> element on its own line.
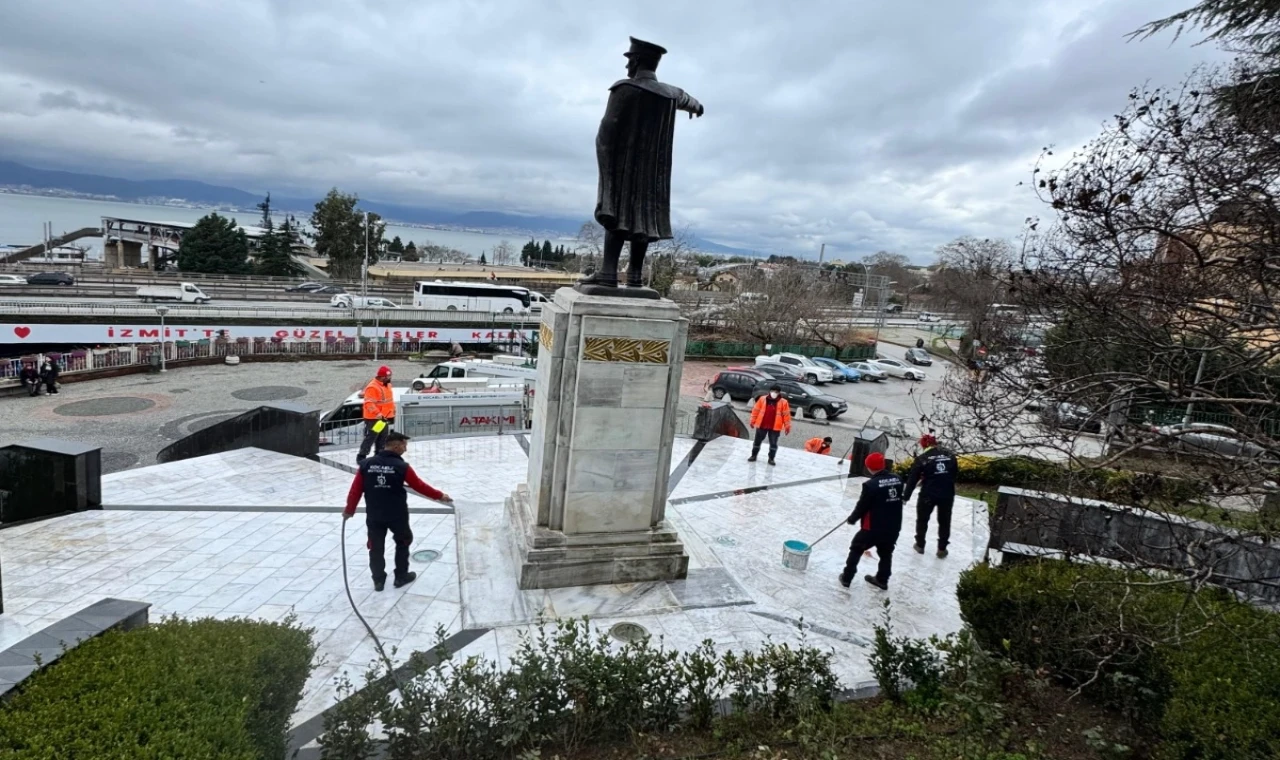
<point x="466" y="296"/>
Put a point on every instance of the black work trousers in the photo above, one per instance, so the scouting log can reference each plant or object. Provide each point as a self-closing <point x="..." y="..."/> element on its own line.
<point x="400" y="535"/>
<point x="372" y="440"/>
<point x="924" y="510"/>
<point x="773" y="442"/>
<point x="864" y="540"/>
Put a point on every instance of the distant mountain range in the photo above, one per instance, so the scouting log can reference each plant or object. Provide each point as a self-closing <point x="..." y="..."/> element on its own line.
<point x="203" y="194"/>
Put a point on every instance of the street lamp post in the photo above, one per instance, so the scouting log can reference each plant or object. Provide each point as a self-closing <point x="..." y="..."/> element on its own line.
<point x="162" y="310"/>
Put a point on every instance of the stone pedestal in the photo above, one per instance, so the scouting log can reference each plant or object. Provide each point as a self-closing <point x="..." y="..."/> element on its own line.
<point x="595" y="503"/>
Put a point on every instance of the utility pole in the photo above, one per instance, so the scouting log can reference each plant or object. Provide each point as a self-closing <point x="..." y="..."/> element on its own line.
<point x="821" y="252"/>
<point x="364" y="276"/>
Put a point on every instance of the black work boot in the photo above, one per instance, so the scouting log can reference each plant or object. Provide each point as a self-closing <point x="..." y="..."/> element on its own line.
<point x="845" y="580"/>
<point x="752" y="458"/>
<point x="874" y="581"/>
<point x="919" y="548"/>
<point x="379" y="585"/>
<point x="942" y="554"/>
<point x="406" y="580"/>
<point x="775" y="464"/>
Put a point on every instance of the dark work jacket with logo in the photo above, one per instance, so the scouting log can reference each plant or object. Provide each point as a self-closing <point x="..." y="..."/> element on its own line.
<point x="935" y="472"/>
<point x="879" y="509"/>
<point x="381" y="480"/>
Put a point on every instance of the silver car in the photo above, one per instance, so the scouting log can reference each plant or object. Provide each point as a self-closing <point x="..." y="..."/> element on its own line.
<point x="869" y="371"/>
<point x="1207" y="438"/>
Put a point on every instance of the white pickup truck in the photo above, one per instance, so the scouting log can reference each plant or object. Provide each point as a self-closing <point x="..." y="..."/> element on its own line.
<point x="813" y="372"/>
<point x="478" y="373"/>
<point x="184" y="291"/>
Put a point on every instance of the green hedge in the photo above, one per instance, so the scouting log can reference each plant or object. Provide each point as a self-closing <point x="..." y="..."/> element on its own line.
<point x="1120" y="486"/>
<point x="180" y="689"/>
<point x="1200" y="668"/>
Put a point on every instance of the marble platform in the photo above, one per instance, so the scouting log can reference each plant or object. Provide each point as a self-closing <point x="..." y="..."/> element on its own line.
<point x="267" y="547"/>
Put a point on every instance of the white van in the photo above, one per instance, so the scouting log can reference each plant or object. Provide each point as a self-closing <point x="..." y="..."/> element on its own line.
<point x="453" y="412"/>
<point x="185" y="292"/>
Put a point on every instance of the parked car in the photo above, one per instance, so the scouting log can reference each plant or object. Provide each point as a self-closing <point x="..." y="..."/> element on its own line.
<point x="813" y="372"/>
<point x="1064" y="414"/>
<point x="926" y="316"/>
<point x="893" y="308"/>
<point x="870" y="371"/>
<point x="12" y="279"/>
<point x="51" y="278"/>
<point x="347" y="301"/>
<point x="325" y="290"/>
<point x="805" y="397"/>
<point x="781" y="371"/>
<point x="306" y="287"/>
<point x="843" y="372"/>
<point x="1207" y="438"/>
<point x="919" y="356"/>
<point x="737" y="383"/>
<point x="895" y="368"/>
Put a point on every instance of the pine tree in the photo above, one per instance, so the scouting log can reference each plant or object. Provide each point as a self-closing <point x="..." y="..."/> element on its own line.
<point x="395" y="246"/>
<point x="546" y="250"/>
<point x="215" y="245"/>
<point x="275" y="247"/>
<point x="482" y="261"/>
<point x="410" y="252"/>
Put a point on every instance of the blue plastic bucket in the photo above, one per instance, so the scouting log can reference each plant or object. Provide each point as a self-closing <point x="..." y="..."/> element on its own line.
<point x="795" y="555"/>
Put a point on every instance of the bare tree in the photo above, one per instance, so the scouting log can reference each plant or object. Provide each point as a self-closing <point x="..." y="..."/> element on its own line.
<point x="970" y="280"/>
<point x="502" y="254"/>
<point x="589" y="247"/>
<point x="1154" y="285"/>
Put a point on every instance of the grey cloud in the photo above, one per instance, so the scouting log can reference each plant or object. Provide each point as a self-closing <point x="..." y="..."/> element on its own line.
<point x="867" y="125"/>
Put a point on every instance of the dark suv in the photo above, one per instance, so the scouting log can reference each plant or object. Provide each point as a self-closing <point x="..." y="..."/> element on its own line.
<point x="737" y="384"/>
<point x="804" y="397"/>
<point x="51" y="278"/>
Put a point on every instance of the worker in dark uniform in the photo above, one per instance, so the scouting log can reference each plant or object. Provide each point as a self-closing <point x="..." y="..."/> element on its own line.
<point x="878" y="516"/>
<point x="381" y="480"/>
<point x="935" y="472"/>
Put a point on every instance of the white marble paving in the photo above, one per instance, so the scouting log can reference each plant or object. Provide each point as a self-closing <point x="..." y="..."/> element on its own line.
<point x="268" y="565"/>
<point x="470" y="469"/>
<point x="260" y="565"/>
<point x="242" y="478"/>
<point x="723" y="466"/>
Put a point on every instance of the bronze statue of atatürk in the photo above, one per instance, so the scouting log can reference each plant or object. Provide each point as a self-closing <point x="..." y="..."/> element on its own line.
<point x="633" y="149"/>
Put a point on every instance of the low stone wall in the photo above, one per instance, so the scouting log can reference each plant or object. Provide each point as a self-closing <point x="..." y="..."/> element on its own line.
<point x="25" y="658"/>
<point x="1030" y="523"/>
<point x="286" y="428"/>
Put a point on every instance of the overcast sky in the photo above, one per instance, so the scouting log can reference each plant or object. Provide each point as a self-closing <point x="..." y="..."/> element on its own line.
<point x="867" y="124"/>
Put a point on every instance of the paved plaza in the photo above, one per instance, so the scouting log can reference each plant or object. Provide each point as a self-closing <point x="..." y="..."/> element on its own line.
<point x="254" y="533"/>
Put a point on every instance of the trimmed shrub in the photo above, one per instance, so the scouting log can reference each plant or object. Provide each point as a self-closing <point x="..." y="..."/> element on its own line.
<point x="193" y="689"/>
<point x="1200" y="667"/>
<point x="568" y="687"/>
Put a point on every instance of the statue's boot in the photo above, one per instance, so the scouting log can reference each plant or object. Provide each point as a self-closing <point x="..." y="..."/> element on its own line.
<point x="604" y="278"/>
<point x="634" y="278"/>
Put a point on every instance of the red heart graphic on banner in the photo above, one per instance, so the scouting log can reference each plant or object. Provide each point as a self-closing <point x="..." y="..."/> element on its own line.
<point x="22" y="332"/>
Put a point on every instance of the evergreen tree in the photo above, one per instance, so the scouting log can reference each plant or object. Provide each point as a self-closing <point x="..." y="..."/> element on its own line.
<point x="215" y="245"/>
<point x="529" y="253"/>
<point x="410" y="252"/>
<point x="340" y="234"/>
<point x="275" y="247"/>
<point x="482" y="261"/>
<point x="395" y="246"/>
<point x="546" y="250"/>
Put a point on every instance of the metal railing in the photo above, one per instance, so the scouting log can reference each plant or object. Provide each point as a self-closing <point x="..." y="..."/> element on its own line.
<point x="179" y="311"/>
<point x="141" y="354"/>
